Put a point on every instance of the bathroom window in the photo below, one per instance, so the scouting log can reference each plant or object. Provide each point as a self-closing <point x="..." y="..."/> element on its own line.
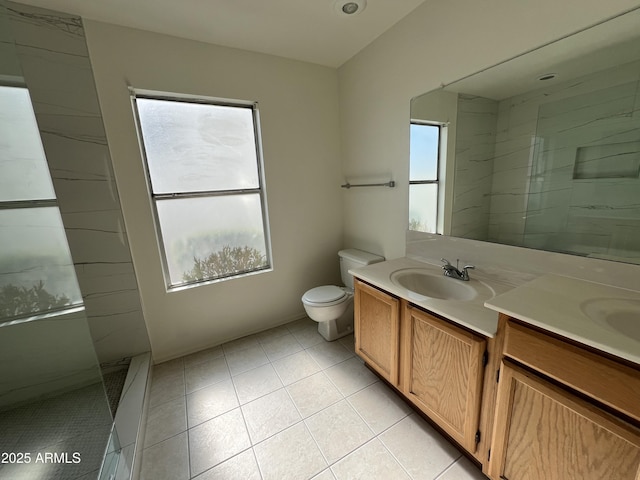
<point x="37" y="275"/>
<point x="204" y="167"/>
<point x="423" y="175"/>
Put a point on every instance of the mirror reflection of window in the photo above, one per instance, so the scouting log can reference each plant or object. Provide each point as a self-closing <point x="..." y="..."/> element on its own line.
<point x="25" y="175"/>
<point x="36" y="272"/>
<point x="424" y="157"/>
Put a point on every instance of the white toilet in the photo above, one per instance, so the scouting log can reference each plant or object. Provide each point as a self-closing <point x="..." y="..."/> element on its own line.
<point x="332" y="306"/>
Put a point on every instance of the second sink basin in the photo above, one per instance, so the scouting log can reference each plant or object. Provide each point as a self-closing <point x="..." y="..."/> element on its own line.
<point x="425" y="283"/>
<point x="619" y="314"/>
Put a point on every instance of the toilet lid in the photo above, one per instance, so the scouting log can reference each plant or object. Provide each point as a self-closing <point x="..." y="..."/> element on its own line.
<point x="324" y="294"/>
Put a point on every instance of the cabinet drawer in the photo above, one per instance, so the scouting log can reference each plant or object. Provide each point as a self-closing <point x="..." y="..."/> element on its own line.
<point x="607" y="381"/>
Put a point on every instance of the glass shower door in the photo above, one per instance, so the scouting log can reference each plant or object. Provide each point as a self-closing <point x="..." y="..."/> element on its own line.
<point x="54" y="414"/>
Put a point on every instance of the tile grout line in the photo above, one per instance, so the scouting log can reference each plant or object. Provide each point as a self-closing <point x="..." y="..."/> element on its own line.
<point x="449" y="467"/>
<point x="255" y="459"/>
<point x="186" y="419"/>
<point x="398" y="461"/>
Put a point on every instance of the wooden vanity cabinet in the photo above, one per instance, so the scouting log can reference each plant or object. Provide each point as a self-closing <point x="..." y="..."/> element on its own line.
<point x="435" y="364"/>
<point x="549" y="424"/>
<point x="555" y="409"/>
<point x="377" y="329"/>
<point x="443" y="367"/>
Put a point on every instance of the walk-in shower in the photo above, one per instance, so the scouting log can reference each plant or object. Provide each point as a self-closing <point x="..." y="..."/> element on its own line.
<point x="74" y="351"/>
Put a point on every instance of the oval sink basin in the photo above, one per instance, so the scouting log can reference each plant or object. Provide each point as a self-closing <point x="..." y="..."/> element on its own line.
<point x="424" y="283"/>
<point x="619" y="314"/>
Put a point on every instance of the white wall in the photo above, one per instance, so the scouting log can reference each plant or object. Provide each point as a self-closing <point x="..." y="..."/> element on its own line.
<point x="437" y="43"/>
<point x="298" y="105"/>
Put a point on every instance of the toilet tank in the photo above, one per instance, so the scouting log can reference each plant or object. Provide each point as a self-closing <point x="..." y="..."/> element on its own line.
<point x="353" y="258"/>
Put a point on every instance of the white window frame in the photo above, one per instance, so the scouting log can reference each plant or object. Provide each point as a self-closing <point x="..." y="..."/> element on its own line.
<point x="154" y="197"/>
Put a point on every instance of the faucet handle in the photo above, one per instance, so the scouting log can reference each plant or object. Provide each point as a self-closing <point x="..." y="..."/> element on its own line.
<point x="465" y="273"/>
<point x="446" y="262"/>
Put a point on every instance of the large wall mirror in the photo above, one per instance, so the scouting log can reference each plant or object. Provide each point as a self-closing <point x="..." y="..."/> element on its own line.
<point x="543" y="150"/>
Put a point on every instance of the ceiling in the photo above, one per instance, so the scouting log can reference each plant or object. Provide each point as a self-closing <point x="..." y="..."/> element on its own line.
<point x="307" y="30"/>
<point x="609" y="44"/>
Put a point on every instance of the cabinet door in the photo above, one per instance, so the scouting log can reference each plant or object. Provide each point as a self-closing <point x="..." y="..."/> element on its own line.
<point x="544" y="432"/>
<point x="443" y="372"/>
<point x="376" y="325"/>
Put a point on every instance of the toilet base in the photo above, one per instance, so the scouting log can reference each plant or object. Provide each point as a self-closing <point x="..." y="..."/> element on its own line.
<point x="335" y="329"/>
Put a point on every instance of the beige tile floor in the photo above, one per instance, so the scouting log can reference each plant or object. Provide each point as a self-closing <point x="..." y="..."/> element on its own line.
<point x="286" y="404"/>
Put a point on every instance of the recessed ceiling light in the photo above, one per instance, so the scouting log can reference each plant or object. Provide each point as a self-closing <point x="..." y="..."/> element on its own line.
<point x="349" y="7"/>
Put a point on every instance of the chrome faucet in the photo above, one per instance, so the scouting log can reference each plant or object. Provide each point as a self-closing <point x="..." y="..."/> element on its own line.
<point x="455" y="272"/>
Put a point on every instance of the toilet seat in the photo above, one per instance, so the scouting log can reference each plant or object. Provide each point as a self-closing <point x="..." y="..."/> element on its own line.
<point x="325" y="296"/>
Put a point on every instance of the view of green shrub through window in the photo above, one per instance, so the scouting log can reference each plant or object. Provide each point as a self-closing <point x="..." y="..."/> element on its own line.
<point x="36" y="272"/>
<point x="203" y="162"/>
<point x="423" y="176"/>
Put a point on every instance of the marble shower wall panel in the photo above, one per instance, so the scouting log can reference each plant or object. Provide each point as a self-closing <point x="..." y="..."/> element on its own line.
<point x="474" y="153"/>
<point x="57" y="70"/>
<point x="45" y="356"/>
<point x="10" y="65"/>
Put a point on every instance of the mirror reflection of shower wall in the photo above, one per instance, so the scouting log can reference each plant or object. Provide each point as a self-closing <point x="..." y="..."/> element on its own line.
<point x="565" y="167"/>
<point x="584" y="189"/>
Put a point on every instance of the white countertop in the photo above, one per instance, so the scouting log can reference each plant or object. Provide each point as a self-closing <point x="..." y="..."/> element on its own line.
<point x="557" y="303"/>
<point x="471" y="314"/>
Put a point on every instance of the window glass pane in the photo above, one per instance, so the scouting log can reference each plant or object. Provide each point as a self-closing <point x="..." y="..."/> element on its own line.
<point x="423" y="156"/>
<point x="423" y="207"/>
<point x="193" y="147"/>
<point x="36" y="271"/>
<point x="222" y="235"/>
<point x="23" y="168"/>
